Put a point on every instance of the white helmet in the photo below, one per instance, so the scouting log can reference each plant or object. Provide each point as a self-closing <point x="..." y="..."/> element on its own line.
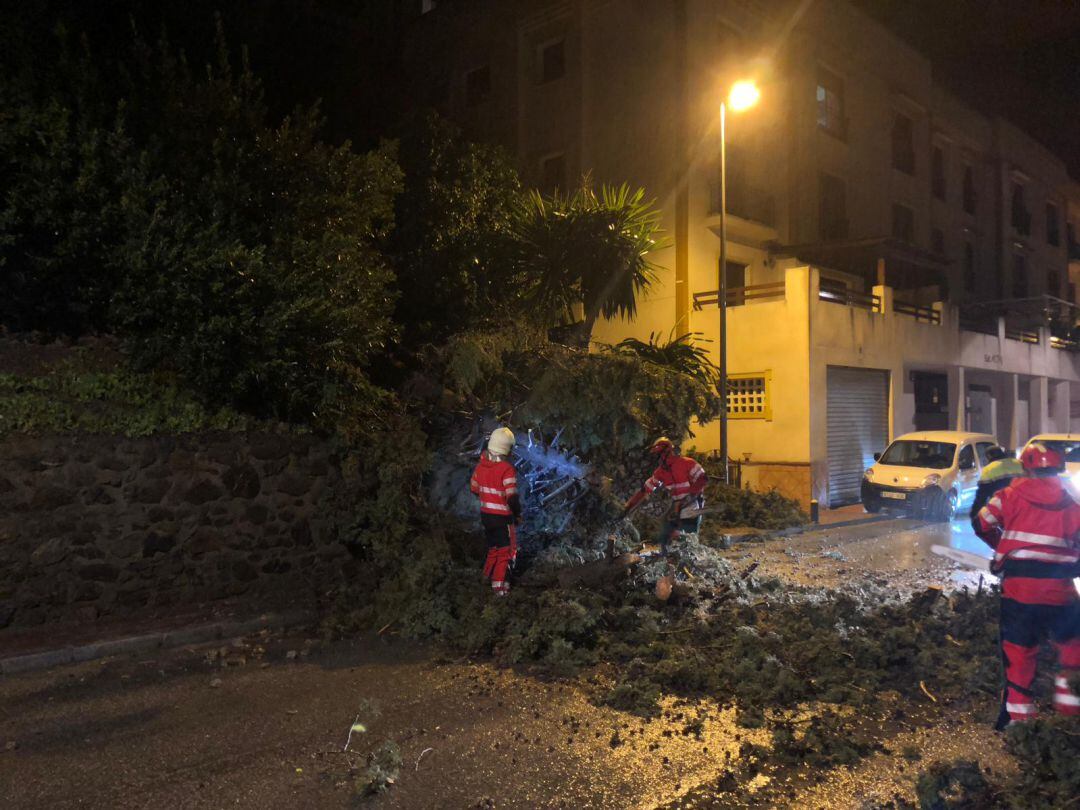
<point x="502" y="441"/>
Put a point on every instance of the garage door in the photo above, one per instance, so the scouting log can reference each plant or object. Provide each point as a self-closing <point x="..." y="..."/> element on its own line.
<point x="858" y="425"/>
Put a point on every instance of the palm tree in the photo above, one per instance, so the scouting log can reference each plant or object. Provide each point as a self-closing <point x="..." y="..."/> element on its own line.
<point x="681" y="354"/>
<point x="589" y="248"/>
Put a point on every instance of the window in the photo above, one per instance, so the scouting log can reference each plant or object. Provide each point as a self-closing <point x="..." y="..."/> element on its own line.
<point x="553" y="173"/>
<point x="903" y="222"/>
<point x="969" y="267"/>
<point x="1019" y="277"/>
<point x="967" y="458"/>
<point x="1021" y="217"/>
<point x="937" y="241"/>
<point x="969" y="190"/>
<point x="832" y="207"/>
<point x="981" y="449"/>
<point x="552" y="61"/>
<point x="477" y="86"/>
<point x="830" y="103"/>
<point x="1053" y="283"/>
<point x="735" y="282"/>
<point x="938" y="172"/>
<point x="748" y="396"/>
<point x="903" y="144"/>
<point x="926" y="454"/>
<point x="1053" y="227"/>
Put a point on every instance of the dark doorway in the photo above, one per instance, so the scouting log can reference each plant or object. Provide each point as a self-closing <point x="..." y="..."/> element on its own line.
<point x="931" y="400"/>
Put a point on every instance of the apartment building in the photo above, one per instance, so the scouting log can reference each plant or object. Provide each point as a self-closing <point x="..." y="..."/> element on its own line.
<point x="896" y="260"/>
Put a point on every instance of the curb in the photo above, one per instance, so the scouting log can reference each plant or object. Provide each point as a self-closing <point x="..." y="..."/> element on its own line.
<point x="842" y="524"/>
<point x="806" y="528"/>
<point x="149" y="642"/>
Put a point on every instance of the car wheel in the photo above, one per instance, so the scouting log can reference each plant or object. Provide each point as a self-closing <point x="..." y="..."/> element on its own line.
<point x="871" y="507"/>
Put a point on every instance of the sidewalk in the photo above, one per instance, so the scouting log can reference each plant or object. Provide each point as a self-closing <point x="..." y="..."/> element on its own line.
<point x="29" y="649"/>
<point x="845" y="514"/>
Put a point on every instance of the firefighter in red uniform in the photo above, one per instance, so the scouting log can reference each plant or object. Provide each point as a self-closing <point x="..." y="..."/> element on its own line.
<point x="1032" y="526"/>
<point x="494" y="482"/>
<point x="685" y="480"/>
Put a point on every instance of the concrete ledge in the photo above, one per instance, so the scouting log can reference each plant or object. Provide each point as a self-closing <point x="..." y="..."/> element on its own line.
<point x="150" y="642"/>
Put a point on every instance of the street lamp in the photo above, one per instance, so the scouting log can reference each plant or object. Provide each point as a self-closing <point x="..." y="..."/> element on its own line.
<point x="743" y="96"/>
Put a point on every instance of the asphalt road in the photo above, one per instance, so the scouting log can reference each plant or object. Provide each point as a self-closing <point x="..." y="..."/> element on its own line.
<point x="250" y="726"/>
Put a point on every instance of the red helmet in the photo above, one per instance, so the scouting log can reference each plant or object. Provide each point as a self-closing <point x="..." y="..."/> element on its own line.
<point x="1040" y="457"/>
<point x="662" y="445"/>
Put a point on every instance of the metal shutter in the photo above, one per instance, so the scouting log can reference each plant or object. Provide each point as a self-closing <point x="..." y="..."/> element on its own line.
<point x="858" y="423"/>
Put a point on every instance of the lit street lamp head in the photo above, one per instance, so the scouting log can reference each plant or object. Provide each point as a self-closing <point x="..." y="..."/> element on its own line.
<point x="743" y="96"/>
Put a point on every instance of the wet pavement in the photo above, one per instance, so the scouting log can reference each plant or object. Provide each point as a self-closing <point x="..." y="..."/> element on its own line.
<point x="896" y="552"/>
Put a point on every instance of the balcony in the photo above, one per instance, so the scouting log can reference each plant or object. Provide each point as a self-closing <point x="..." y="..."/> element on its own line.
<point x="739" y="296"/>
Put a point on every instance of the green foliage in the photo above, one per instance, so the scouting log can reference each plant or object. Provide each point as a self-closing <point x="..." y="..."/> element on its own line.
<point x="606" y="405"/>
<point x="1049" y="754"/>
<point x="61" y="155"/>
<point x="588" y="247"/>
<point x="680" y="354"/>
<point x="611" y="405"/>
<point x="116" y="402"/>
<point x="382" y="770"/>
<point x="742" y="507"/>
<point x="250" y="263"/>
<point x="956" y="785"/>
<point x="163" y="205"/>
<point x="451" y="247"/>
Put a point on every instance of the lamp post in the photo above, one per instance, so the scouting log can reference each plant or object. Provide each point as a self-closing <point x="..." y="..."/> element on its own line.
<point x="743" y="96"/>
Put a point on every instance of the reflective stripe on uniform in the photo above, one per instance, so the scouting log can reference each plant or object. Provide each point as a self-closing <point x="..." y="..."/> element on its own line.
<point x="501" y="508"/>
<point x="1020" y="708"/>
<point x="1035" y="554"/>
<point x="1037" y="539"/>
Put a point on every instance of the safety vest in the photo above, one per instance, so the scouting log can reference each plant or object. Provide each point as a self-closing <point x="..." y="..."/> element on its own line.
<point x="494" y="482"/>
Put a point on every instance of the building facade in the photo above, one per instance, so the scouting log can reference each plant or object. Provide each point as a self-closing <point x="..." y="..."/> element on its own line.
<point x="896" y="260"/>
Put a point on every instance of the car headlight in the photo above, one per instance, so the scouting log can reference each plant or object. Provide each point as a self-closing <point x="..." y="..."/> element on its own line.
<point x="1075" y="478"/>
<point x="869" y="474"/>
<point x="931" y="480"/>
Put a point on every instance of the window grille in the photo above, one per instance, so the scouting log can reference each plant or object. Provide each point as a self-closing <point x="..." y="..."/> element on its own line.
<point x="748" y="396"/>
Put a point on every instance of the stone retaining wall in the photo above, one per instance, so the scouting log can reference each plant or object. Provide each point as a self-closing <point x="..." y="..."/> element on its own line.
<point x="91" y="525"/>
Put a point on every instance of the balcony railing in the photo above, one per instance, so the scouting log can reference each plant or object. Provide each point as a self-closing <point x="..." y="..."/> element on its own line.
<point x="850" y="298"/>
<point x="918" y="312"/>
<point x="1066" y="344"/>
<point x="737" y="296"/>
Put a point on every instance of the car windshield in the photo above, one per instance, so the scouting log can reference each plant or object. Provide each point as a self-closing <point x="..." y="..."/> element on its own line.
<point x="1069" y="449"/>
<point x="909" y="453"/>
